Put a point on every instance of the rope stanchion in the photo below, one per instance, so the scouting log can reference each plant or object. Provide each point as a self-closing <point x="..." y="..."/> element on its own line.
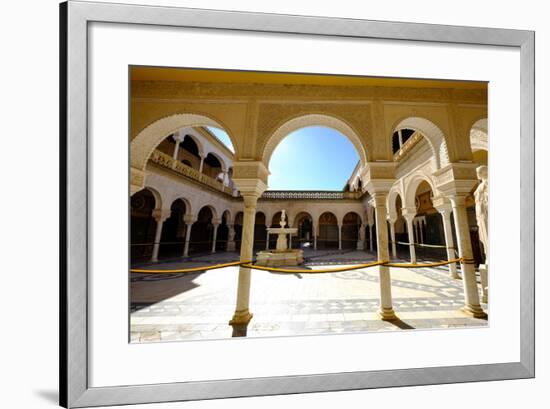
<point x="188" y="270"/>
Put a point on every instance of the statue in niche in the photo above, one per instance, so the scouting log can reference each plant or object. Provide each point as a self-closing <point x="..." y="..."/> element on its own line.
<point x="481" y="196"/>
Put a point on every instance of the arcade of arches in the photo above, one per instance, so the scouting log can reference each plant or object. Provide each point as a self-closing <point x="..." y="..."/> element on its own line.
<point x="411" y="196"/>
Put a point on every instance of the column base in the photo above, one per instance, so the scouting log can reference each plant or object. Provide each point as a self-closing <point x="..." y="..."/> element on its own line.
<point x="230" y="246"/>
<point x="241" y="318"/>
<point x="475" y="311"/>
<point x="360" y="245"/>
<point x="387" y="314"/>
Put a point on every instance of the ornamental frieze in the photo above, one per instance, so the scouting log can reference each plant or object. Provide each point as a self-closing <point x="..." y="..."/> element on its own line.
<point x="271" y="116"/>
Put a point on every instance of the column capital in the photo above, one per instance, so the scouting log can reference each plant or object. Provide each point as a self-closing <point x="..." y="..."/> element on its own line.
<point x="245" y="171"/>
<point x="456" y="178"/>
<point x="216" y="222"/>
<point x="458" y="199"/>
<point x="179" y="136"/>
<point x="444" y="209"/>
<point x="409" y="213"/>
<point x="379" y="187"/>
<point x="160" y="215"/>
<point x="440" y="202"/>
<point x="378" y="199"/>
<point x="376" y="172"/>
<point x="252" y="187"/>
<point x="189" y="218"/>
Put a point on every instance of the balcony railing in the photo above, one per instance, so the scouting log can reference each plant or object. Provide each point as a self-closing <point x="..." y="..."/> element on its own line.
<point x="308" y="195"/>
<point x="407" y="146"/>
<point x="166" y="161"/>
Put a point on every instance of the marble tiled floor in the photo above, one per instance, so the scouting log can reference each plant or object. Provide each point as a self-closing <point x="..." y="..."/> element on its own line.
<point x="199" y="305"/>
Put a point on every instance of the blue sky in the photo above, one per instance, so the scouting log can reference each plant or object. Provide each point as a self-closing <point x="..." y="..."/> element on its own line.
<point x="223" y="137"/>
<point x="312" y="158"/>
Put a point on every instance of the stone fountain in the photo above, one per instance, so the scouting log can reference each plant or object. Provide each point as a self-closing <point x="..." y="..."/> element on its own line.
<point x="282" y="255"/>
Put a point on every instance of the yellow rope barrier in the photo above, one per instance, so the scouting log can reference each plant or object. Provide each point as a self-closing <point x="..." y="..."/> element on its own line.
<point x="418" y="265"/>
<point x="247" y="264"/>
<point x="435" y="246"/>
<point x="320" y="271"/>
<point x="188" y="270"/>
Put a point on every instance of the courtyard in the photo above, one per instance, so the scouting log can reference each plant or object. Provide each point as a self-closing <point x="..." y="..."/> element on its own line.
<point x="196" y="306"/>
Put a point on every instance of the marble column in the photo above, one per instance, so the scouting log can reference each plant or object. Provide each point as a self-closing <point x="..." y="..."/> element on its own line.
<point x="409" y="218"/>
<point x="471" y="293"/>
<point x="201" y="164"/>
<point x="339" y="237"/>
<point x="267" y="240"/>
<point x="216" y="224"/>
<point x="361" y="241"/>
<point x="160" y="216"/>
<point x="251" y="190"/>
<point x="392" y="238"/>
<point x="178" y="138"/>
<point x="189" y="220"/>
<point x="386" y="308"/>
<point x="446" y="211"/>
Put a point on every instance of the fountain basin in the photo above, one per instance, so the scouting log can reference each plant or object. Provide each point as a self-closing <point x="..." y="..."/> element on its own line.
<point x="277" y="258"/>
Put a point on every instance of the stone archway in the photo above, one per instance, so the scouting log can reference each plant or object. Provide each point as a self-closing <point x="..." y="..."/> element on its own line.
<point x="328" y="237"/>
<point x="142" y="223"/>
<point x="433" y="134"/>
<point x="202" y="230"/>
<point x="307" y="120"/>
<point x="412" y="185"/>
<point x="351" y="224"/>
<point x="149" y="138"/>
<point x="303" y="221"/>
<point x="393" y="196"/>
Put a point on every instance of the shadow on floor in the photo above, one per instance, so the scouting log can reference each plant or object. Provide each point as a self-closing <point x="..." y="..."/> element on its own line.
<point x="151" y="289"/>
<point x="400" y="324"/>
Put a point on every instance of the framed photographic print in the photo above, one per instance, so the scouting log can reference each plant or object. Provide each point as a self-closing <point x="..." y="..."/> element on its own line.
<point x="258" y="204"/>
